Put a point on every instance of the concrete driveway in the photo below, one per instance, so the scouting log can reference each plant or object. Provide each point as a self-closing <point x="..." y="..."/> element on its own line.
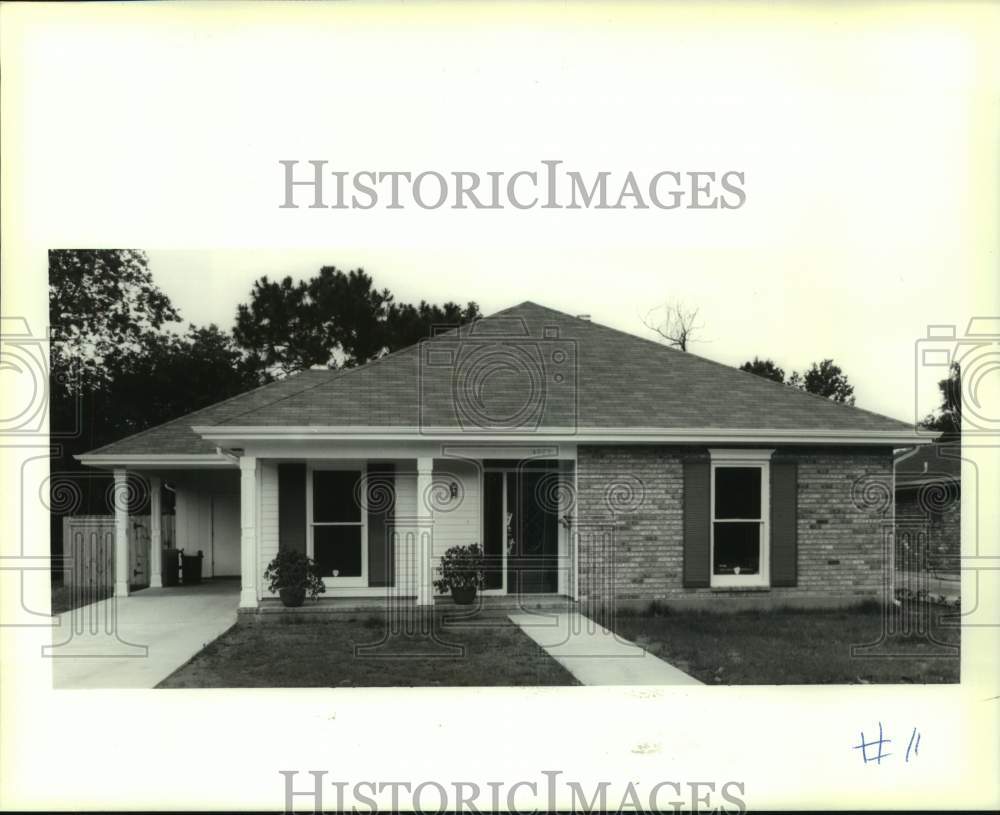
<point x="138" y="641"/>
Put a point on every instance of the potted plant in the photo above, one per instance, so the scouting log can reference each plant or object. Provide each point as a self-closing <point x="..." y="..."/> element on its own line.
<point x="292" y="574"/>
<point x="461" y="569"/>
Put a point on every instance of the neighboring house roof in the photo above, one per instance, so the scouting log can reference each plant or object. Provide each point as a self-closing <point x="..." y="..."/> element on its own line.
<point x="930" y="464"/>
<point x="526" y="366"/>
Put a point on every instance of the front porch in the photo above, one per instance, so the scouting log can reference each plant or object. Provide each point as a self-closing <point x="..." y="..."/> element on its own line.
<point x="376" y="519"/>
<point x="486" y="605"/>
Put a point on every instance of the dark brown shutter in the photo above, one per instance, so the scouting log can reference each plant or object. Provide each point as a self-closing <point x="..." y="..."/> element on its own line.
<point x="381" y="552"/>
<point x="292" y="507"/>
<point x="784" y="518"/>
<point x="493" y="527"/>
<point x="697" y="517"/>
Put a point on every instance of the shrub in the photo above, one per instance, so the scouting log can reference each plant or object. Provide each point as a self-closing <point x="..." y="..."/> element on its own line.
<point x="291" y="570"/>
<point x="461" y="567"/>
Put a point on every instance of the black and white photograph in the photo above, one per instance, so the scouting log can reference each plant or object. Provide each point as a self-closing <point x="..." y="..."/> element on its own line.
<point x="424" y="494"/>
<point x="501" y="407"/>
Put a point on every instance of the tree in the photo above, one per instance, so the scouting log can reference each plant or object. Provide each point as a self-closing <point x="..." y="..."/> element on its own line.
<point x="409" y="324"/>
<point x="675" y="323"/>
<point x="116" y="369"/>
<point x="101" y="302"/>
<point x="948" y="417"/>
<point x="170" y="376"/>
<point x="334" y="319"/>
<point x="824" y="379"/>
<point x="104" y="308"/>
<point x="765" y="368"/>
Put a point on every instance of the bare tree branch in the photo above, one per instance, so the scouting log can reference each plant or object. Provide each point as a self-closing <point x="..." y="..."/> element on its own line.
<point x="675" y="323"/>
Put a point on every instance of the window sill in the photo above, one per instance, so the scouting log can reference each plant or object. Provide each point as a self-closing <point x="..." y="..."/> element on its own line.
<point x="740" y="589"/>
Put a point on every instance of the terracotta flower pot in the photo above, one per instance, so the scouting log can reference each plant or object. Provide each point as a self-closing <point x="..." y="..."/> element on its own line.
<point x="292" y="597"/>
<point x="463" y="596"/>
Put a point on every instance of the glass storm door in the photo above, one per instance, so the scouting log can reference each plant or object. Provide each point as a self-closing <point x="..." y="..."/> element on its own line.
<point x="533" y="542"/>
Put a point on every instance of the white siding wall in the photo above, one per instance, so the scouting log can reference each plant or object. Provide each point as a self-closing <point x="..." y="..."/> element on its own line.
<point x="194" y="523"/>
<point x="457" y="522"/>
<point x="225" y="554"/>
<point x="210" y="522"/>
<point x="267" y="534"/>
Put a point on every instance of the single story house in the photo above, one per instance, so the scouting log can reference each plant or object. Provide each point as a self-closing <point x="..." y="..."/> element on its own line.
<point x="589" y="463"/>
<point x="928" y="507"/>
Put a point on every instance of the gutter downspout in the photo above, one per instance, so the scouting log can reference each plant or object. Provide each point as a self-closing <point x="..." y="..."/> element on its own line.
<point x="892" y="552"/>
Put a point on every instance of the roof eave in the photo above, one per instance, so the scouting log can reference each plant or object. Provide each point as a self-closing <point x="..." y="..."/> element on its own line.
<point x="902" y="482"/>
<point x="233" y="434"/>
<point x="158" y="461"/>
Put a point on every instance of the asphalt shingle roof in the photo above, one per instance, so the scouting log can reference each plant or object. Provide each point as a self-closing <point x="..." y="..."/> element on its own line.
<point x="526" y="366"/>
<point x="177" y="437"/>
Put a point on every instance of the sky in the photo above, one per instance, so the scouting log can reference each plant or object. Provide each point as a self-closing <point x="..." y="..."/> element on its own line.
<point x="866" y="134"/>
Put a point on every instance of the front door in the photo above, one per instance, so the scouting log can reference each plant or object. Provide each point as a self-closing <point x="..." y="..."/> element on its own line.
<point x="521" y="540"/>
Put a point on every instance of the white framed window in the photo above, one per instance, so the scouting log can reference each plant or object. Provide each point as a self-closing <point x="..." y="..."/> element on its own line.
<point x="741" y="508"/>
<point x="338" y="526"/>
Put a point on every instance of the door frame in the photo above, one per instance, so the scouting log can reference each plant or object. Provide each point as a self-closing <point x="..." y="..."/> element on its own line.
<point x="514" y="466"/>
<point x="482" y="523"/>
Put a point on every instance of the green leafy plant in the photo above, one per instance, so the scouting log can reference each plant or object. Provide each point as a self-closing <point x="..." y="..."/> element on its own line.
<point x="293" y="570"/>
<point x="461" y="567"/>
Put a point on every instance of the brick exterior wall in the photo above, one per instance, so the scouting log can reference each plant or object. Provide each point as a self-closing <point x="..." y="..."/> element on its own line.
<point x="844" y="510"/>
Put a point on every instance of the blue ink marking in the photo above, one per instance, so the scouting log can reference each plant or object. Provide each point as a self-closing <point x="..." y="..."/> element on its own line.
<point x="864" y="745"/>
<point x="914" y="746"/>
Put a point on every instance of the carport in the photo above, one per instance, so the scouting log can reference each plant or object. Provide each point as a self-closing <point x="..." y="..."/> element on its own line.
<point x="207" y="506"/>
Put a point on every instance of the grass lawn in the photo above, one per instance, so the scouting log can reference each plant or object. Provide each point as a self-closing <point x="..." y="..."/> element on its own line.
<point x="786" y="647"/>
<point x="322" y="653"/>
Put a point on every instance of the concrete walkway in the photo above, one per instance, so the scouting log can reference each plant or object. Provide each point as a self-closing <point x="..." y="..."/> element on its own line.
<point x="594" y="655"/>
<point x="949" y="586"/>
<point x="137" y="641"/>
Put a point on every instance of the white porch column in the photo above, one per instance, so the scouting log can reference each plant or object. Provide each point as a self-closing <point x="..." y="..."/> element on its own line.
<point x="120" y="501"/>
<point x="155" y="534"/>
<point x="425" y="528"/>
<point x="248" y="532"/>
